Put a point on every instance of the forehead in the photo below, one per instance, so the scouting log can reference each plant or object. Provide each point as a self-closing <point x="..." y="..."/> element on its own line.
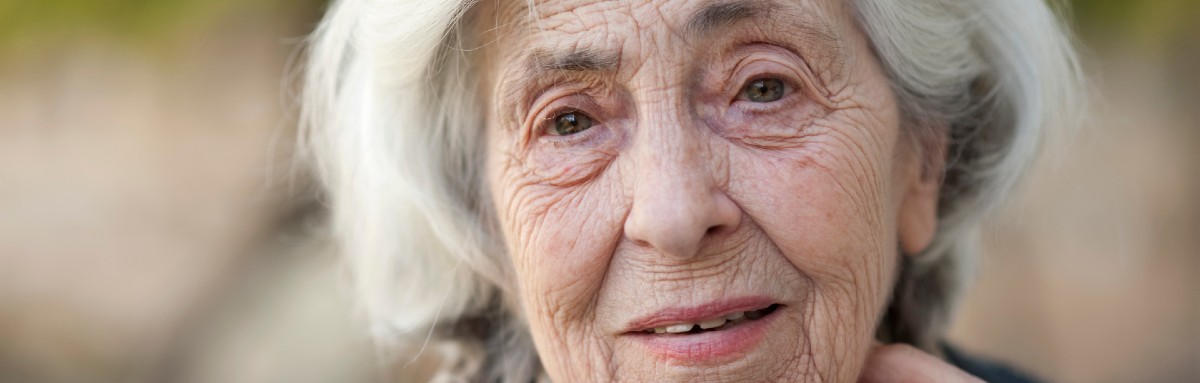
<point x="533" y="28"/>
<point x="678" y="15"/>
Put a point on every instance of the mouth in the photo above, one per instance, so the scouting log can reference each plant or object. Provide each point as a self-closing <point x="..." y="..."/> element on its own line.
<point x="717" y="332"/>
<point x="716" y="323"/>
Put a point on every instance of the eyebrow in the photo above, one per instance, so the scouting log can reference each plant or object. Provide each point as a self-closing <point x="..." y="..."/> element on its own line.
<point x="708" y="19"/>
<point x="582" y="60"/>
<point x="715" y="16"/>
<point x="719" y="15"/>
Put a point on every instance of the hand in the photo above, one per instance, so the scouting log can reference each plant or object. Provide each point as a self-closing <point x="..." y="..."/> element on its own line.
<point x="901" y="363"/>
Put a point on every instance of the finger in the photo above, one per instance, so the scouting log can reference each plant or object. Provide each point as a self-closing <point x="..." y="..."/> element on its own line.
<point x="901" y="363"/>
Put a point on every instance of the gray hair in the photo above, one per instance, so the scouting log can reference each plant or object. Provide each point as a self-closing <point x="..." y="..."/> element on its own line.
<point x="391" y="123"/>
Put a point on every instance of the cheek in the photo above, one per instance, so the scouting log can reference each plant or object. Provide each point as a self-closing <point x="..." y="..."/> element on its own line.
<point x="560" y="240"/>
<point x="830" y="222"/>
<point x="554" y="239"/>
<point x="826" y="205"/>
<point x="831" y="190"/>
<point x="831" y="225"/>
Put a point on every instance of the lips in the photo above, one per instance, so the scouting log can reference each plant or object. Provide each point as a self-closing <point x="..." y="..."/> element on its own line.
<point x="709" y="333"/>
<point x="722" y="309"/>
<point x="717" y="323"/>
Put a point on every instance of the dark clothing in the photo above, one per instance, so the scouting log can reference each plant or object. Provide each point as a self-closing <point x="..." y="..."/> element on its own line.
<point x="989" y="371"/>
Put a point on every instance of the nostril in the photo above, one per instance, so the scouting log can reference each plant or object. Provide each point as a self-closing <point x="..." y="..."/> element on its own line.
<point x="641" y="243"/>
<point x="714" y="230"/>
<point x="726" y="226"/>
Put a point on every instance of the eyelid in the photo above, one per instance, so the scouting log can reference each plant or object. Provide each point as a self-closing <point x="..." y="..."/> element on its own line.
<point x="764" y="59"/>
<point x="789" y="87"/>
<point x="553" y="100"/>
<point x="751" y="70"/>
<point x="546" y="123"/>
<point x="541" y="131"/>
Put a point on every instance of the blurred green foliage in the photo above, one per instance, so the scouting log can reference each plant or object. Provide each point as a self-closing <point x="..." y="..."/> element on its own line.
<point x="33" y="22"/>
<point x="26" y="22"/>
<point x="1140" y="22"/>
<point x="121" y="16"/>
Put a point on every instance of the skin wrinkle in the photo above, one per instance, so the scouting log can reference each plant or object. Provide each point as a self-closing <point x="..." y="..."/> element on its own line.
<point x="818" y="36"/>
<point x="821" y="40"/>
<point x="719" y="257"/>
<point x="814" y="207"/>
<point x="864" y="172"/>
<point x="718" y="15"/>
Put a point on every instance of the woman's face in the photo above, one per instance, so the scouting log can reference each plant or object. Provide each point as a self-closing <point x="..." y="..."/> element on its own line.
<point x="698" y="190"/>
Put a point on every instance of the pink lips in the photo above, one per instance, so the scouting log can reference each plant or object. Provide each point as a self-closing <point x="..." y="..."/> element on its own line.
<point x="708" y="345"/>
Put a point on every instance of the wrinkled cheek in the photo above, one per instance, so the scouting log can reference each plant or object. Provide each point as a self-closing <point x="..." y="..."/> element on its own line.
<point x="832" y="225"/>
<point x="842" y="323"/>
<point x="551" y="275"/>
<point x="555" y="305"/>
<point x="556" y="260"/>
<point x="848" y="295"/>
<point x="569" y="344"/>
<point x="560" y="266"/>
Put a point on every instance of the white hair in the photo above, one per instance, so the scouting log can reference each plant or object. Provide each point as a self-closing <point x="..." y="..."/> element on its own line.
<point x="392" y="121"/>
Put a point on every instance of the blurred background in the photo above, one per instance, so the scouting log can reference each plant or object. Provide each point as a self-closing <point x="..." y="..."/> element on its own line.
<point x="152" y="228"/>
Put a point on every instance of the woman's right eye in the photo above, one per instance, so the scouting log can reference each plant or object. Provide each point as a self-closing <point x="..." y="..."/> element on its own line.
<point x="569" y="123"/>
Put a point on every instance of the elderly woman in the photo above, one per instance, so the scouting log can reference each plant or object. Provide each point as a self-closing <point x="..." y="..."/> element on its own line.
<point x="674" y="190"/>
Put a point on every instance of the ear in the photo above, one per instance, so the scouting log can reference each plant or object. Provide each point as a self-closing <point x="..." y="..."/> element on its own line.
<point x="917" y="218"/>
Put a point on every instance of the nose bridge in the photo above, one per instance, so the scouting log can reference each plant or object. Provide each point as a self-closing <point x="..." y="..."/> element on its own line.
<point x="670" y="146"/>
<point x="677" y="196"/>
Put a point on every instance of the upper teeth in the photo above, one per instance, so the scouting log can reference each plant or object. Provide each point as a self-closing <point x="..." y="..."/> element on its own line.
<point x="704" y="324"/>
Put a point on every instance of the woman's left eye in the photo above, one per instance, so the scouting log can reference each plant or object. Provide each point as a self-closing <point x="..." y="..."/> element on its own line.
<point x="570" y="123"/>
<point x="764" y="90"/>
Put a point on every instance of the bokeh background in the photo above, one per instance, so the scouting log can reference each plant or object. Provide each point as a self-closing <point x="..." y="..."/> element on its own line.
<point x="154" y="228"/>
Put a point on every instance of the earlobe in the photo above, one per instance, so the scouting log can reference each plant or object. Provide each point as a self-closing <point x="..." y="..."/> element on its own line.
<point x="918" y="214"/>
<point x="918" y="217"/>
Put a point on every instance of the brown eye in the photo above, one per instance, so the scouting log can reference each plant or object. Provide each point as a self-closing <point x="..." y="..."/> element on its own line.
<point x="764" y="90"/>
<point x="570" y="123"/>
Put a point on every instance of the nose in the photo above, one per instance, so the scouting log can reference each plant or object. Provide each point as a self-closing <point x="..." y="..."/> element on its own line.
<point x="678" y="200"/>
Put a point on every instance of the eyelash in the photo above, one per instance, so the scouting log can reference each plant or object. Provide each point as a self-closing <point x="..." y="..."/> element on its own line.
<point x="757" y="66"/>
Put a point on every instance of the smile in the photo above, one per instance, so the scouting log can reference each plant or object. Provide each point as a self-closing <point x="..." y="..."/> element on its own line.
<point x="714" y="324"/>
<point x="716" y="332"/>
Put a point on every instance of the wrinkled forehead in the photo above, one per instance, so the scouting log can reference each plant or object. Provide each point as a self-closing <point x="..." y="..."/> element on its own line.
<point x="583" y="34"/>
<point x="679" y="15"/>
